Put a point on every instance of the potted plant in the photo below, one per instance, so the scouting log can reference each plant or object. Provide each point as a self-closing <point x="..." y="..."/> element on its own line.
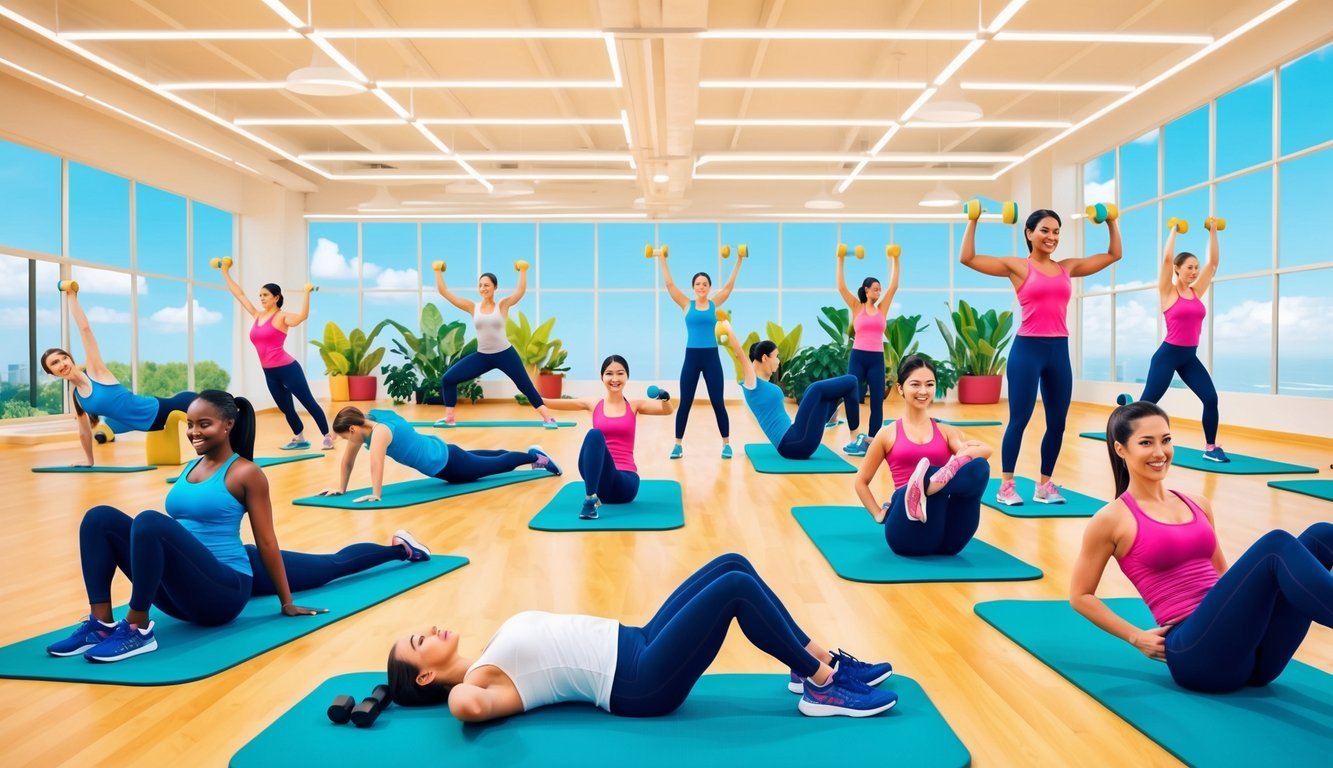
<point x="975" y="353"/>
<point x="551" y="371"/>
<point x="427" y="355"/>
<point x="814" y="363"/>
<point x="532" y="344"/>
<point x="350" y="362"/>
<point x="789" y="342"/>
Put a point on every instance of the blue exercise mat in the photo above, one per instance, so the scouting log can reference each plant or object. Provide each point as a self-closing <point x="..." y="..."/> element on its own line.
<point x="853" y="543"/>
<point x="189" y="652"/>
<point x="99" y="469"/>
<point x="728" y="720"/>
<point x="271" y="461"/>
<point x="1320" y="489"/>
<point x="764" y="457"/>
<point x="659" y="506"/>
<point x="467" y="424"/>
<point x="1076" y="504"/>
<point x="1289" y="721"/>
<point x="412" y="492"/>
<point x="1240" y="464"/>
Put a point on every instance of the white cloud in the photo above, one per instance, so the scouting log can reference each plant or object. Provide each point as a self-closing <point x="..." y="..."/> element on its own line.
<point x="328" y="263"/>
<point x="17" y="317"/>
<point x="14" y="276"/>
<point x="1099" y="191"/>
<point x="176" y="319"/>
<point x="107" y="316"/>
<point x="398" y="279"/>
<point x="101" y="281"/>
<point x="1136" y="324"/>
<point x="1146" y="138"/>
<point x="1249" y="322"/>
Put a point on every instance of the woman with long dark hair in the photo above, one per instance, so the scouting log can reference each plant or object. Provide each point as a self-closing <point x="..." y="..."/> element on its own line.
<point x="870" y="308"/>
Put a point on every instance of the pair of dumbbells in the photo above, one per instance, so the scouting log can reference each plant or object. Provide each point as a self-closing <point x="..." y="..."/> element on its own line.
<point x="1181" y="226"/>
<point x="892" y="250"/>
<point x="439" y="266"/>
<point x="657" y="393"/>
<point x="363" y="715"/>
<point x="1008" y="211"/>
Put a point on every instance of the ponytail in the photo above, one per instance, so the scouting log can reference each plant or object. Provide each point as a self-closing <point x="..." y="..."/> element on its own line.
<point x="861" y="292"/>
<point x="348" y="417"/>
<point x="276" y="291"/>
<point x="241" y="413"/>
<point x="1119" y="429"/>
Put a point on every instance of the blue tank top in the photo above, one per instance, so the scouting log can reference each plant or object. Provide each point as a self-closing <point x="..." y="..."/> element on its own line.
<point x="121" y="409"/>
<point x="699" y="324"/>
<point x="765" y="402"/>
<point x="211" y="514"/>
<point x="426" y="454"/>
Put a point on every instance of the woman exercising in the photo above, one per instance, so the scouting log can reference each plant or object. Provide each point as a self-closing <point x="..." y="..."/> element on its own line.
<point x="1219" y="628"/>
<point x="98" y="394"/>
<point x="493" y="348"/>
<point x="385" y="433"/>
<point x="939" y="475"/>
<point x="190" y="562"/>
<point x="536" y="658"/>
<point x="1184" y="315"/>
<point x="701" y="354"/>
<point x="1040" y="355"/>
<point x="798" y="440"/>
<point x="606" y="460"/>
<point x="870" y="306"/>
<point x="282" y="373"/>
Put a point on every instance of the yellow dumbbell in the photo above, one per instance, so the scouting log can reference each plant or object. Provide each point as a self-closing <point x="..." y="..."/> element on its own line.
<point x="651" y="252"/>
<point x="973" y="209"/>
<point x="311" y="288"/>
<point x="1009" y="212"/>
<point x="859" y="251"/>
<point x="521" y="266"/>
<point x="719" y="331"/>
<point x="438" y="265"/>
<point x="224" y="262"/>
<point x="1179" y="225"/>
<point x="1213" y="223"/>
<point x="893" y="250"/>
<point x="842" y="250"/>
<point x="67" y="286"/>
<point x="1102" y="212"/>
<point x="725" y="251"/>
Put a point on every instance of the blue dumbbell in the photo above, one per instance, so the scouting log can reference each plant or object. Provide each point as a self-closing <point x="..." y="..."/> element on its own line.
<point x="1124" y="399"/>
<point x="658" y="394"/>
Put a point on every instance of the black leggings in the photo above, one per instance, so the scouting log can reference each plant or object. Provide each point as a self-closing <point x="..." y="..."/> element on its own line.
<point x="600" y="476"/>
<point x="707" y="362"/>
<point x="868" y="368"/>
<point x="286" y="381"/>
<point x="818" y="404"/>
<point x="464" y="466"/>
<point x="470" y="367"/>
<point x="1170" y="359"/>
<point x="952" y="514"/>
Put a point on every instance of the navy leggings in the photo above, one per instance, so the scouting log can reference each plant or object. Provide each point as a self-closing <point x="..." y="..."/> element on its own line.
<point x="708" y="362"/>
<point x="1170" y="359"/>
<point x="477" y="363"/>
<point x="1251" y="622"/>
<point x="868" y="368"/>
<point x="173" y="571"/>
<point x="818" y="404"/>
<point x="1037" y="361"/>
<point x="600" y="476"/>
<point x="287" y="381"/>
<point x="464" y="466"/>
<point x="952" y="515"/>
<point x="659" y="663"/>
<point x="165" y="405"/>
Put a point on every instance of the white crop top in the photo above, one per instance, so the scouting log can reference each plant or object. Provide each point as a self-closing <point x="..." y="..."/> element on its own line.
<point x="555" y="657"/>
<point x="490" y="326"/>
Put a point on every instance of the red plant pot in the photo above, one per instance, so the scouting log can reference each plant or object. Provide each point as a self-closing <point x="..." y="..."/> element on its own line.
<point x="361" y="387"/>
<point x="978" y="390"/>
<point x="550" y="385"/>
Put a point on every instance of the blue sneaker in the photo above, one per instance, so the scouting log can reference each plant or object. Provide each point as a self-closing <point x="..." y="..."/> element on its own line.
<point x="296" y="445"/>
<point x="858" y="446"/>
<point x="1218" y="455"/>
<point x="677" y="452"/>
<point x="726" y="451"/>
<point x="417" y="552"/>
<point x="544" y="461"/>
<point x="551" y="423"/>
<point x="843" y="694"/>
<point x="870" y="674"/>
<point x="124" y="643"/>
<point x="589" y="511"/>
<point x="85" y="636"/>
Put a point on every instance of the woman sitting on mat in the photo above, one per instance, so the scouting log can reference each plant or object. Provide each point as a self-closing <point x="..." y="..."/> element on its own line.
<point x="538" y="658"/>
<point x="97" y="392"/>
<point x="798" y="440"/>
<point x="935" y="469"/>
<point x="493" y="347"/>
<point x="606" y="460"/>
<point x="870" y="307"/>
<point x="190" y="562"/>
<point x="1218" y="628"/>
<point x="385" y="433"/>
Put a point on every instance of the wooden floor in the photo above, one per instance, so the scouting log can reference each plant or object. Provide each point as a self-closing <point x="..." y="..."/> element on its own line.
<point x="1004" y="705"/>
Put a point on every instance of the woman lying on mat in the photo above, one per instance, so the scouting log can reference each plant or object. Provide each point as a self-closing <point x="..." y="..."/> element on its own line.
<point x="190" y="562"/>
<point x="385" y="433"/>
<point x="538" y="658"/>
<point x="1219" y="628"/>
<point x="939" y="474"/>
<point x="797" y="440"/>
<point x="97" y="392"/>
<point x="606" y="460"/>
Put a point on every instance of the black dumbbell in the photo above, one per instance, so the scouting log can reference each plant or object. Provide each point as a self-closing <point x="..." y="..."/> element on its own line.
<point x="363" y="716"/>
<point x="340" y="711"/>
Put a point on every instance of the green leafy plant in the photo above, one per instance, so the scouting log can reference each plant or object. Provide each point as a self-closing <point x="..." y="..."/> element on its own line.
<point x="556" y="356"/>
<point x="401" y="382"/>
<point x="532" y="344"/>
<point x="789" y="342"/>
<point x="899" y="335"/>
<point x="811" y="364"/>
<point x="431" y="351"/>
<point x="350" y="354"/>
<point x="981" y="338"/>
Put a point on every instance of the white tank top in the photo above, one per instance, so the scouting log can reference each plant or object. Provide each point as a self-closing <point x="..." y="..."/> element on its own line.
<point x="556" y="657"/>
<point x="490" y="330"/>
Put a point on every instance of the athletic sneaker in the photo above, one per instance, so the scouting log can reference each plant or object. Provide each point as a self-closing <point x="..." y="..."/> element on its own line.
<point x="1217" y="454"/>
<point x="589" y="511"/>
<point x="125" y="642"/>
<point x="677" y="451"/>
<point x="946" y="473"/>
<point x="914" y="497"/>
<point x="858" y="446"/>
<point x="328" y="443"/>
<point x="85" y="636"/>
<point x="843" y="694"/>
<point x="418" y="552"/>
<point x="1008" y="495"/>
<point x="446" y="423"/>
<point x="544" y="461"/>
<point x="551" y="423"/>
<point x="726" y="451"/>
<point x="296" y="445"/>
<point x="1048" y="493"/>
<point x="833" y="422"/>
<point x="865" y="672"/>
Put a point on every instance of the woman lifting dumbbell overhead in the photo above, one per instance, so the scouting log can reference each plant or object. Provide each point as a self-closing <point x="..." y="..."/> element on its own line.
<point x="97" y="392"/>
<point x="606" y="460"/>
<point x="870" y="306"/>
<point x="493" y="348"/>
<point x="385" y="433"/>
<point x="190" y="563"/>
<point x="939" y="475"/>
<point x="701" y="354"/>
<point x="1219" y="628"/>
<point x="536" y="658"/>
<point x="282" y="373"/>
<point x="1040" y="355"/>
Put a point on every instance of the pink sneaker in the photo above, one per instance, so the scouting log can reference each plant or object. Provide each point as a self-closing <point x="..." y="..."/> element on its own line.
<point x="945" y="473"/>
<point x="915" y="495"/>
<point x="1048" y="493"/>
<point x="1008" y="495"/>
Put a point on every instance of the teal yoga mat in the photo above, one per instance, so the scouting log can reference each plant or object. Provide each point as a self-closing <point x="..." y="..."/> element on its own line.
<point x="960" y="422"/>
<point x="92" y="470"/>
<point x="1292" y="717"/>
<point x="659" y="506"/>
<point x="189" y="652"/>
<point x="1240" y="464"/>
<point x="764" y="457"/>
<point x="466" y="424"/>
<point x="271" y="461"/>
<point x="736" y="720"/>
<point x="412" y="492"/>
<point x="853" y="543"/>
<point x="1076" y="504"/>
<point x="1320" y="489"/>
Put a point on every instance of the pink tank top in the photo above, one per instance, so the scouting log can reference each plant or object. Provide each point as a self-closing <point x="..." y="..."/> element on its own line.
<point x="869" y="331"/>
<point x="619" y="433"/>
<point x="905" y="454"/>
<point x="1171" y="565"/>
<point x="268" y="342"/>
<point x="1184" y="321"/>
<point x="1045" y="301"/>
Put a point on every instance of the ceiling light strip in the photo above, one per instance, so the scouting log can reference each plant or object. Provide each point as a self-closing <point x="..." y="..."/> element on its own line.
<point x="42" y="78"/>
<point x="860" y="85"/>
<point x="835" y="34"/>
<point x="298" y="122"/>
<point x="1067" y="87"/>
<point x="838" y="177"/>
<point x="392" y="104"/>
<point x="476" y="157"/>
<point x="836" y="215"/>
<point x="792" y="123"/>
<point x="333" y="53"/>
<point x="918" y="104"/>
<point x="1102" y="37"/>
<point x="158" y="128"/>
<point x="614" y="56"/>
<point x="530" y="84"/>
<point x="285" y="13"/>
<point x="958" y="61"/>
<point x="189" y="35"/>
<point x="513" y="121"/>
<point x="471" y="216"/>
<point x="224" y="85"/>
<point x="990" y="124"/>
<point x="1005" y="16"/>
<point x="497" y="176"/>
<point x="425" y="33"/>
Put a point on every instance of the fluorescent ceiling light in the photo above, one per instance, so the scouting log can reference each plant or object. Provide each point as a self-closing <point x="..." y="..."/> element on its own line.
<point x="834" y="34"/>
<point x="837" y="177"/>
<point x="847" y="182"/>
<point x="792" y="123"/>
<point x="549" y="121"/>
<point x="1102" y="37"/>
<point x="614" y="56"/>
<point x="42" y="78"/>
<point x="889" y="134"/>
<point x="227" y="85"/>
<point x="949" y="105"/>
<point x="392" y="103"/>
<point x="1005" y="15"/>
<point x="278" y="7"/>
<point x="496" y="175"/>
<point x="858" y="85"/>
<point x="407" y="33"/>
<point x="958" y="61"/>
<point x="661" y="178"/>
<point x="629" y="138"/>
<point x="375" y="157"/>
<point x="1070" y="87"/>
<point x="332" y="52"/>
<point x="317" y="121"/>
<point x="939" y="197"/>
<point x="148" y="35"/>
<point x="531" y="84"/>
<point x="475" y="216"/>
<point x="991" y="124"/>
<point x="779" y="157"/>
<point x="920" y="100"/>
<point x="871" y="216"/>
